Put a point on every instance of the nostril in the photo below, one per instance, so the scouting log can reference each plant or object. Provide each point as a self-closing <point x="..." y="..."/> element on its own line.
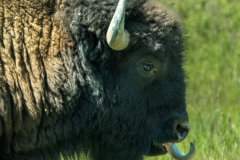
<point x="182" y="131"/>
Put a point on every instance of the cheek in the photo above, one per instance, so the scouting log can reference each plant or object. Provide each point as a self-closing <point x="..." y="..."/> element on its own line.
<point x="140" y="78"/>
<point x="131" y="80"/>
<point x="141" y="81"/>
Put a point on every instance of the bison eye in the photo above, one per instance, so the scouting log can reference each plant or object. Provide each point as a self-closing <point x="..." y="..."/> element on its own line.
<point x="147" y="67"/>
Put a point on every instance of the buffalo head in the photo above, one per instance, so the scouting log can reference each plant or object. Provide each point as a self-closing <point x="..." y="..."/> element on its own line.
<point x="144" y="84"/>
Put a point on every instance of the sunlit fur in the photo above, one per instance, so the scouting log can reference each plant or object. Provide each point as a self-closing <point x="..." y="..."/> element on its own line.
<point x="62" y="89"/>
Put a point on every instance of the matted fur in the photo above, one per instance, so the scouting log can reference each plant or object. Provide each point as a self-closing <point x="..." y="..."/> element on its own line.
<point x="54" y="96"/>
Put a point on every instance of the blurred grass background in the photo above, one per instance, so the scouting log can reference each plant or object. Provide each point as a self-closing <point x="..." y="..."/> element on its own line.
<point x="213" y="69"/>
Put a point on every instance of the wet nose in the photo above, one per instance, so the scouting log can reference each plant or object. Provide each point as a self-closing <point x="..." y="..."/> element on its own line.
<point x="181" y="129"/>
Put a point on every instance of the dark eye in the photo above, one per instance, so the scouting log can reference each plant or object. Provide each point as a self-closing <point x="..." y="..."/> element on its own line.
<point x="147" y="67"/>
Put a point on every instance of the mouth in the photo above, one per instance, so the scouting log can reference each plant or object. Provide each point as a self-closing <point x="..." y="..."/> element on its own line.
<point x="157" y="149"/>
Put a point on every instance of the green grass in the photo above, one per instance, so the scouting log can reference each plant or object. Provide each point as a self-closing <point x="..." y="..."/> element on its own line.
<point x="213" y="69"/>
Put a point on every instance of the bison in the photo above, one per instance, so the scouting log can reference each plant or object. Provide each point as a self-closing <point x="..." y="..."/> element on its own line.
<point x="98" y="77"/>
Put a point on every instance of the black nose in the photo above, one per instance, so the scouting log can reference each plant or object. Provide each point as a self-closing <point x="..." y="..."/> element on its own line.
<point x="181" y="129"/>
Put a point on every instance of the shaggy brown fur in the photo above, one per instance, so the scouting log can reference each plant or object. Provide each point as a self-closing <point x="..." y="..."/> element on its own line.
<point x="46" y="83"/>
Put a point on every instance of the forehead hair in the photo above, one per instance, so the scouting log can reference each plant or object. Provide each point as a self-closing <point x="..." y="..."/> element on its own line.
<point x="148" y="23"/>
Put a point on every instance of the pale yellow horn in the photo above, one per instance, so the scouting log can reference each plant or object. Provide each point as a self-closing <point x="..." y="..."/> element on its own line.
<point x="117" y="37"/>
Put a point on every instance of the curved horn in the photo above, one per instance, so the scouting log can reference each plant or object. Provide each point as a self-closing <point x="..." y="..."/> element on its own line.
<point x="175" y="153"/>
<point x="117" y="37"/>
